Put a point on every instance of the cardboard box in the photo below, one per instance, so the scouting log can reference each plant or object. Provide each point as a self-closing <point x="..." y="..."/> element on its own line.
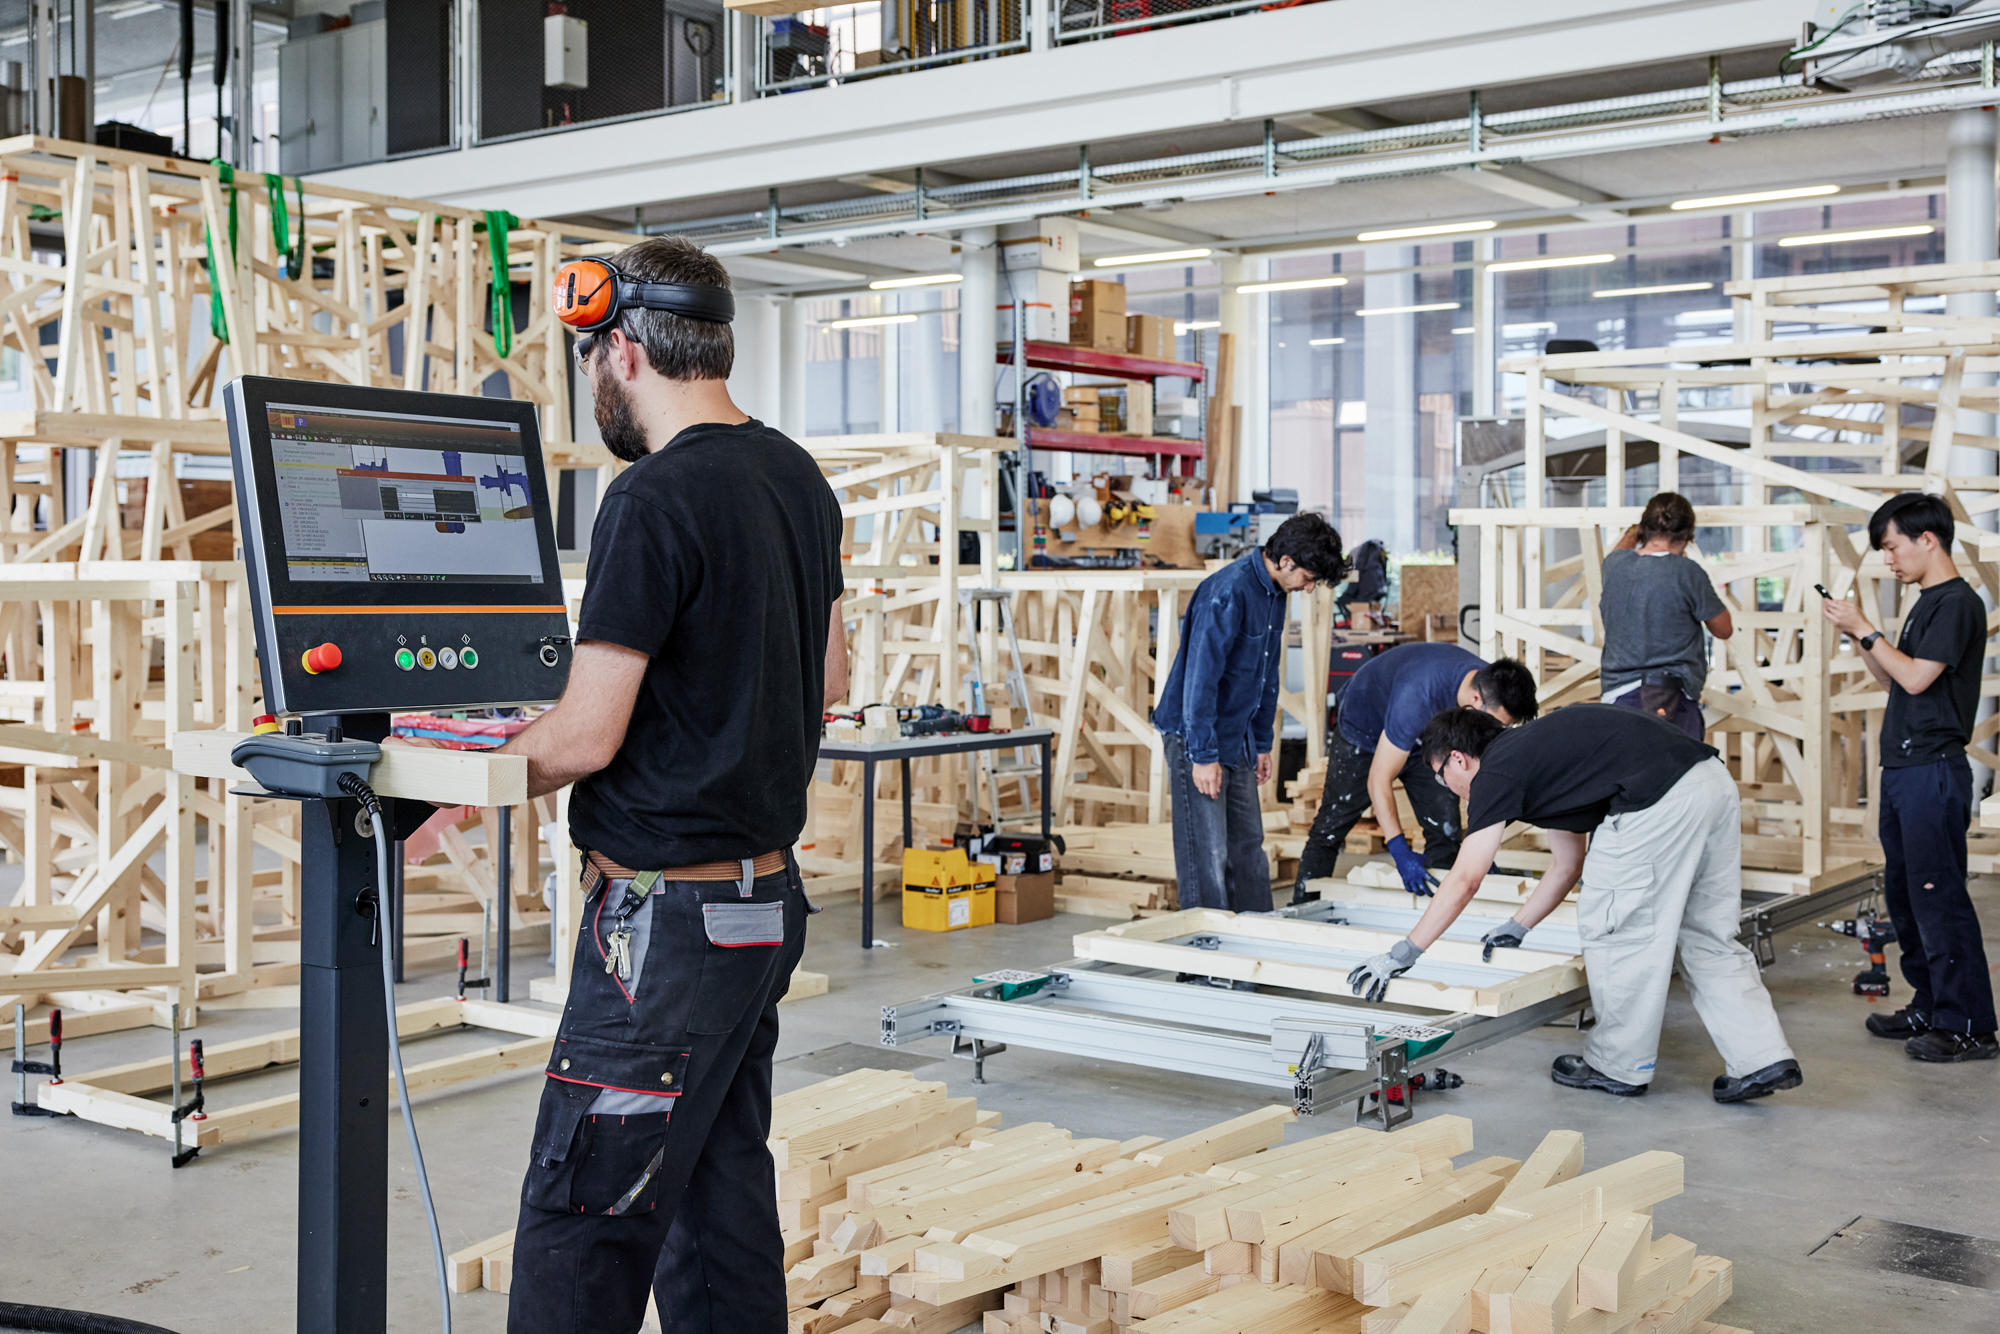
<point x="1150" y="336"/>
<point x="1097" y="315"/>
<point x="1045" y="243"/>
<point x="1067" y="420"/>
<point x="1138" y="416"/>
<point x="1021" y="854"/>
<point x="1025" y="898"/>
<point x="1081" y="393"/>
<point x="947" y="910"/>
<point x="1045" y="294"/>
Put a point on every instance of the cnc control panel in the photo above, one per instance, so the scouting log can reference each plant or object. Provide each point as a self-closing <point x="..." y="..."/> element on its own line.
<point x="400" y="548"/>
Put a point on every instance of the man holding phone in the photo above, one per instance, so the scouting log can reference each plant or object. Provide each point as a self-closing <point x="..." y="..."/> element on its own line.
<point x="1932" y="675"/>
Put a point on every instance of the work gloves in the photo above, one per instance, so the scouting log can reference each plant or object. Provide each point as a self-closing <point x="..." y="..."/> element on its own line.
<point x="1371" y="980"/>
<point x="1411" y="867"/>
<point x="1506" y="936"/>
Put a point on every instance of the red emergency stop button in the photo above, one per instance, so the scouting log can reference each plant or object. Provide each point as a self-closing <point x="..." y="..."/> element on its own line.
<point x="263" y="723"/>
<point x="322" y="659"/>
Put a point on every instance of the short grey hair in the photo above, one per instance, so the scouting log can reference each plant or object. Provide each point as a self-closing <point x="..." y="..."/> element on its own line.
<point x="676" y="346"/>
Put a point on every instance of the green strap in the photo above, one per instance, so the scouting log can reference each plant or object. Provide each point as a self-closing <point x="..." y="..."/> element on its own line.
<point x="281" y="223"/>
<point x="291" y="253"/>
<point x="501" y="291"/>
<point x="218" y="322"/>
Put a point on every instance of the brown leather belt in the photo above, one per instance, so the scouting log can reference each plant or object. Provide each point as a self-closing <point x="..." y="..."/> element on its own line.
<point x="769" y="863"/>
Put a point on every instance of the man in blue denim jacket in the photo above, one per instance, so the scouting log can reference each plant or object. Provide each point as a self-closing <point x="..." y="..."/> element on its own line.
<point x="1217" y="708"/>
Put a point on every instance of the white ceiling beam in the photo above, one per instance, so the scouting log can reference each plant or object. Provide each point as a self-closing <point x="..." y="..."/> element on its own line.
<point x="1532" y="185"/>
<point x="1244" y="68"/>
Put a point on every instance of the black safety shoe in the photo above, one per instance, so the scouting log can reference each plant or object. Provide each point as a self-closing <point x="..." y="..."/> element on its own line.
<point x="1936" y="1045"/>
<point x="1759" y="1083"/>
<point x="1575" y="1072"/>
<point x="1903" y="1024"/>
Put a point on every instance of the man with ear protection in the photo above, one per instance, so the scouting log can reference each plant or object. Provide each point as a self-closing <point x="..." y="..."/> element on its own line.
<point x="709" y="643"/>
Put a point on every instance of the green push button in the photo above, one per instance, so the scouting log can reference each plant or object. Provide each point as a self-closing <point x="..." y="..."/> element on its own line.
<point x="405" y="659"/>
<point x="468" y="658"/>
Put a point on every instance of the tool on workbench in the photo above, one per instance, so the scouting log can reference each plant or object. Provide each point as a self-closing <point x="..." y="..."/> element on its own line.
<point x="464" y="958"/>
<point x="1875" y="933"/>
<point x="194" y="1108"/>
<point x="23" y="1067"/>
<point x="1430" y="1081"/>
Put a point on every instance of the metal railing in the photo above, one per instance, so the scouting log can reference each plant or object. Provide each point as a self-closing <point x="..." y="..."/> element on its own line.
<point x="849" y="43"/>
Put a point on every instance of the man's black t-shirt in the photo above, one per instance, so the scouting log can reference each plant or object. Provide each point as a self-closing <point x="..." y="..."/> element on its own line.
<point x="719" y="557"/>
<point x="1947" y="625"/>
<point x="1571" y="768"/>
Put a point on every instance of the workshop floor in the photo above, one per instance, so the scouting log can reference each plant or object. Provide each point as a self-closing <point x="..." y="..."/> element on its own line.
<point x="94" y="1218"/>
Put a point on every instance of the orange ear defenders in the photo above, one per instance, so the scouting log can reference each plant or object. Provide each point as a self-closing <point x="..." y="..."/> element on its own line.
<point x="590" y="295"/>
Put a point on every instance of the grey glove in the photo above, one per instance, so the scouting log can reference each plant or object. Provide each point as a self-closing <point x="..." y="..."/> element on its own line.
<point x="1371" y="980"/>
<point x="1506" y="936"/>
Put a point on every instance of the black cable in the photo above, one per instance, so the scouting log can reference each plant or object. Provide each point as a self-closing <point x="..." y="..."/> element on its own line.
<point x="55" y="1320"/>
<point x="354" y="786"/>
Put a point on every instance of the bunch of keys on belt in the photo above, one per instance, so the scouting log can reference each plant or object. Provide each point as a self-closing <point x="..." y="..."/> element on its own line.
<point x="618" y="944"/>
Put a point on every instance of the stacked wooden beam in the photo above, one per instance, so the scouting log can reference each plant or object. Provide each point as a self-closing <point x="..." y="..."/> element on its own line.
<point x="906" y="1209"/>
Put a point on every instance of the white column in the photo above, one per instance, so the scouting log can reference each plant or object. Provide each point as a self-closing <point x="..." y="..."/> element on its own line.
<point x="1234" y="312"/>
<point x="889" y="364"/>
<point x="1391" y="394"/>
<point x="978" y="294"/>
<point x="465" y="76"/>
<point x="1970" y="238"/>
<point x="1485" y="330"/>
<point x="754" y="381"/>
<point x="792" y="341"/>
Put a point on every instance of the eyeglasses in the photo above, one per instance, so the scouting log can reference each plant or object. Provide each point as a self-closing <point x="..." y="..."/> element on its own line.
<point x="584" y="347"/>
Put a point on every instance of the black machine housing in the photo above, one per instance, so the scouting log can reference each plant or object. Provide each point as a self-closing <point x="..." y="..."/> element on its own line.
<point x="519" y="631"/>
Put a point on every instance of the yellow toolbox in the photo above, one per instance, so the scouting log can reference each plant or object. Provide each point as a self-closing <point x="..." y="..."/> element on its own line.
<point x="944" y="891"/>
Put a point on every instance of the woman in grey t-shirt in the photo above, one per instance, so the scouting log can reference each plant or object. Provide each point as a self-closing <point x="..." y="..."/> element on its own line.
<point x="1655" y="603"/>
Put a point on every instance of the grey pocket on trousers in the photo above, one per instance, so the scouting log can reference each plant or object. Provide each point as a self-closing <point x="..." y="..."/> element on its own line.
<point x="736" y="925"/>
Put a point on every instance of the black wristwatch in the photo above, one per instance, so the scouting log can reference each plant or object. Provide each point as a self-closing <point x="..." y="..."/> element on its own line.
<point x="1868" y="640"/>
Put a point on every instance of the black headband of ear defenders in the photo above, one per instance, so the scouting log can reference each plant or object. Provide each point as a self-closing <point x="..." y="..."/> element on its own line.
<point x="717" y="305"/>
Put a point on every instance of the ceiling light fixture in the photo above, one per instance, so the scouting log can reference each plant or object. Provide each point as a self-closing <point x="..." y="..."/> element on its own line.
<point x="1866" y="234"/>
<point x="1156" y="257"/>
<point x="1439" y="229"/>
<point x="1654" y="290"/>
<point x="919" y="280"/>
<point x="1548" y="262"/>
<point x="866" y="321"/>
<point x="1325" y="342"/>
<point x="1516" y="330"/>
<point x="1189" y="326"/>
<point x="1409" y="310"/>
<point x="1755" y="197"/>
<point x="1463" y="329"/>
<point x="1292" y="285"/>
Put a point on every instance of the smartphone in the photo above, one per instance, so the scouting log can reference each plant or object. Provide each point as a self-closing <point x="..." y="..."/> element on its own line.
<point x="1822" y="592"/>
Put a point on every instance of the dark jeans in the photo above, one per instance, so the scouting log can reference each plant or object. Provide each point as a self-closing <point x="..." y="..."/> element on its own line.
<point x="1345" y="797"/>
<point x="693" y="1030"/>
<point x="1669" y="704"/>
<point x="1218" y="841"/>
<point x="1925" y="809"/>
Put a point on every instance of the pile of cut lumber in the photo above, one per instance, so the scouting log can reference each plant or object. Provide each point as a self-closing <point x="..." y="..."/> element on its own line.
<point x="1032" y="1231"/>
<point x="905" y="1209"/>
<point x="1121" y="897"/>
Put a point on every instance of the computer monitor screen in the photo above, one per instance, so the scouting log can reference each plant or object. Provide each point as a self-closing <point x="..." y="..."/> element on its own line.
<point x="399" y="546"/>
<point x="380" y="497"/>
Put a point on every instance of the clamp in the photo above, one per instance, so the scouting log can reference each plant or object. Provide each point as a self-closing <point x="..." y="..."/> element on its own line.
<point x="195" y="1108"/>
<point x="464" y="962"/>
<point x="24" y="1067"/>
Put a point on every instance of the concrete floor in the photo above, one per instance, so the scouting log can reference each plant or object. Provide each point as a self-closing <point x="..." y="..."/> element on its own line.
<point x="95" y="1219"/>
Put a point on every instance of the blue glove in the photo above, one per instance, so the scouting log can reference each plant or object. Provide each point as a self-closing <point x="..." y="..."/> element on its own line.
<point x="1371" y="980"/>
<point x="1507" y="936"/>
<point x="1411" y="867"/>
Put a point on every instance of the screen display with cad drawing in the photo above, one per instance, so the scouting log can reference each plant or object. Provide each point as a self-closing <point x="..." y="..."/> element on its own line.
<point x="389" y="498"/>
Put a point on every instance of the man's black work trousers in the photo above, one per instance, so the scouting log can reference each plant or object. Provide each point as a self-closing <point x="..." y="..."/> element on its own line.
<point x="1925" y="810"/>
<point x="655" y="1115"/>
<point x="1345" y="797"/>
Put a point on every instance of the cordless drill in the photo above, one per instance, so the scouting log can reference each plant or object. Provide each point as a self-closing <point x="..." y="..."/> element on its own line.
<point x="1875" y="933"/>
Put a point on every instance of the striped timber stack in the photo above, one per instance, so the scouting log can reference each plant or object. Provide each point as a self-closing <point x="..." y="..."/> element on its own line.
<point x="906" y="1209"/>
